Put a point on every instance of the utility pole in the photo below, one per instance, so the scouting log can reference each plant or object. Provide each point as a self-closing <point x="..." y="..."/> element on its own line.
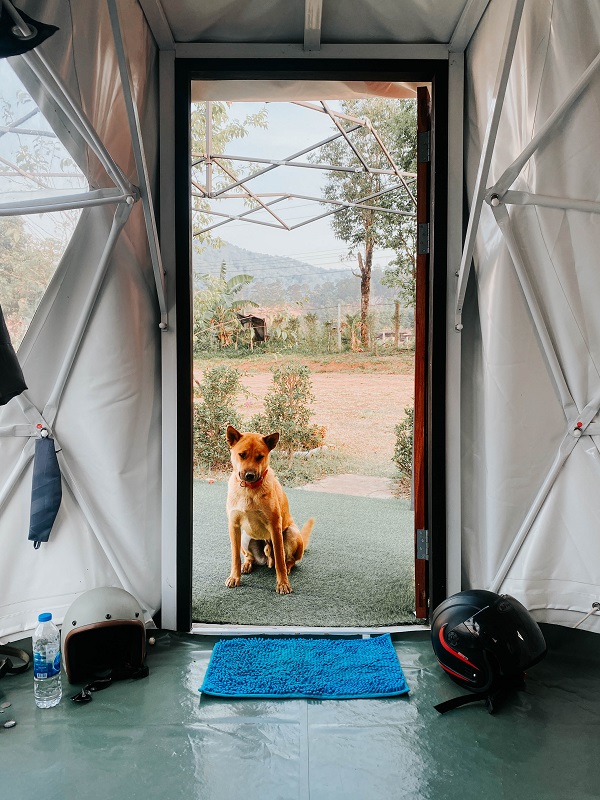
<point x="397" y="324"/>
<point x="339" y="327"/>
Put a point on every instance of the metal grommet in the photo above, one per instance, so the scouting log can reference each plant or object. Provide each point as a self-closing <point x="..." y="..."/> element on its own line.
<point x="24" y="37"/>
<point x="107" y="616"/>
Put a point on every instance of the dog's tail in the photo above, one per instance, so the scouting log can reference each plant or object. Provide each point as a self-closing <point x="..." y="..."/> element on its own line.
<point x="306" y="532"/>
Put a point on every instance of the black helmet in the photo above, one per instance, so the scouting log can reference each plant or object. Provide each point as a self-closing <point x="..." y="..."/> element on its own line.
<point x="485" y="641"/>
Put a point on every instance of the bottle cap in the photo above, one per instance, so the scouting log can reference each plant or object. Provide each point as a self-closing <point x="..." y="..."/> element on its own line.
<point x="45" y="617"/>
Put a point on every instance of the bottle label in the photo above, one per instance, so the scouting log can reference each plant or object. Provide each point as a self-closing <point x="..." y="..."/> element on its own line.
<point x="46" y="662"/>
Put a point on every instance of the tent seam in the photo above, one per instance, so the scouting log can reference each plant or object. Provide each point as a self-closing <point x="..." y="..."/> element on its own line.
<point x="537" y="102"/>
<point x="76" y="74"/>
<point x="566" y="298"/>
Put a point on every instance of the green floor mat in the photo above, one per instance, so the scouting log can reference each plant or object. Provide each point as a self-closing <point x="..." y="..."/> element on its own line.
<point x="357" y="571"/>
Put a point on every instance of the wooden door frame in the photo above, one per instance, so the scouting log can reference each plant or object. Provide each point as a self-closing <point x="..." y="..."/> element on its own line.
<point x="432" y="71"/>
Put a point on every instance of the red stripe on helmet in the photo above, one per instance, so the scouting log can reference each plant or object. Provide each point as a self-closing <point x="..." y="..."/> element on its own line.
<point x="458" y="655"/>
<point x="456" y="674"/>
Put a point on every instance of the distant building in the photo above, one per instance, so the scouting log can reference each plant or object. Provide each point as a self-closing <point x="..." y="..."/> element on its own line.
<point x="258" y="325"/>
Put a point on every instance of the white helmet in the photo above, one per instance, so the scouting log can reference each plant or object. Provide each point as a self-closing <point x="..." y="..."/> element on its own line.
<point x="103" y="629"/>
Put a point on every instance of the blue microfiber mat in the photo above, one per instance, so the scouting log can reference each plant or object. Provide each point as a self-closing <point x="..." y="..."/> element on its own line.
<point x="339" y="669"/>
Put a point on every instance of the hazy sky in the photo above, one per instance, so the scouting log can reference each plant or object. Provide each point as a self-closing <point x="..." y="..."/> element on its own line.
<point x="291" y="128"/>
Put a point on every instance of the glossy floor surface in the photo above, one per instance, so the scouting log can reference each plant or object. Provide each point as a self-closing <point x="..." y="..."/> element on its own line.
<point x="159" y="738"/>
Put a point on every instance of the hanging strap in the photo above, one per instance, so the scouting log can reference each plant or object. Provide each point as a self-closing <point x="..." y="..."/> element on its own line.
<point x="456" y="702"/>
<point x="7" y="666"/>
<point x="46" y="491"/>
<point x="103" y="682"/>
<point x="514" y="683"/>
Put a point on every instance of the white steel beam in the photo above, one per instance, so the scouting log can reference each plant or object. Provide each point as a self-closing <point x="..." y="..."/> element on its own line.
<point x="453" y="340"/>
<point x="547" y="130"/>
<point x="531" y="199"/>
<point x="356" y="52"/>
<point x="64" y="202"/>
<point x="168" y="344"/>
<point x="503" y="219"/>
<point x="467" y="25"/>
<point x="135" y="130"/>
<point x="578" y="423"/>
<point x="313" y="10"/>
<point x="158" y="24"/>
<point x="506" y="57"/>
<point x="120" y="218"/>
<point x="59" y="93"/>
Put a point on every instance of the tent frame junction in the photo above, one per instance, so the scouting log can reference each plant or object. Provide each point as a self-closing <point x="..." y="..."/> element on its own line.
<point x="579" y="425"/>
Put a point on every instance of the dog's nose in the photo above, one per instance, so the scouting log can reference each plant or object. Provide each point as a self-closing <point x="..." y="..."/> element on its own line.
<point x="250" y="476"/>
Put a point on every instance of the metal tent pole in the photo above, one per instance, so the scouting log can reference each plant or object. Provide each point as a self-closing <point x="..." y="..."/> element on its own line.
<point x="120" y="218"/>
<point x="508" y="49"/>
<point x="97" y="197"/>
<point x="62" y="97"/>
<point x="135" y="130"/>
<point x="509" y="176"/>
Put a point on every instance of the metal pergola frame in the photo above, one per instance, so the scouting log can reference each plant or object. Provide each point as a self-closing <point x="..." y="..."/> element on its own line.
<point x="209" y="160"/>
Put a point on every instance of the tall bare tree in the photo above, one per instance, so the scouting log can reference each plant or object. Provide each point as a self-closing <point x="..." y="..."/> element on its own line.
<point x="365" y="229"/>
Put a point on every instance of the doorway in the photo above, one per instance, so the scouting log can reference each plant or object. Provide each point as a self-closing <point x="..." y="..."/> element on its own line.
<point x="426" y="441"/>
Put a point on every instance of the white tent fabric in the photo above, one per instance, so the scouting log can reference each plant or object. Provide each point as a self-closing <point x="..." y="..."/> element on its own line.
<point x="530" y="471"/>
<point x="288" y="91"/>
<point x="107" y="419"/>
<point x="531" y="336"/>
<point x="374" y="21"/>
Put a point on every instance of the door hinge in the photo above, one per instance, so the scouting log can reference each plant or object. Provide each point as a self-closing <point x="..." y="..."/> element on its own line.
<point x="422" y="545"/>
<point x="423" y="239"/>
<point x="424" y="147"/>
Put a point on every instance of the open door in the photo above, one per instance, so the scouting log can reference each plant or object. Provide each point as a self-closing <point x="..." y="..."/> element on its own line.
<point x="421" y="334"/>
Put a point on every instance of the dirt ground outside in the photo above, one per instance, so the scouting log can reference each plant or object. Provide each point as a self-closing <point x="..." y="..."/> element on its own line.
<point x="359" y="398"/>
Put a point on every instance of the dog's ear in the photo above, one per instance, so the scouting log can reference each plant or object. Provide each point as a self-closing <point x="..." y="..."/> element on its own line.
<point x="271" y="440"/>
<point x="233" y="436"/>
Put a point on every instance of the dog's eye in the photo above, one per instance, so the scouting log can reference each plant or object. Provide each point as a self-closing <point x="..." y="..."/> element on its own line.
<point x="259" y="457"/>
<point x="243" y="455"/>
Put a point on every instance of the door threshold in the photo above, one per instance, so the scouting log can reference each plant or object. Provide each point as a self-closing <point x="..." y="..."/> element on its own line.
<point x="210" y="629"/>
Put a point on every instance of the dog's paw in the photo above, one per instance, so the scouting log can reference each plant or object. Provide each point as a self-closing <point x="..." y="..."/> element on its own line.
<point x="247" y="567"/>
<point x="284" y="588"/>
<point x="232" y="581"/>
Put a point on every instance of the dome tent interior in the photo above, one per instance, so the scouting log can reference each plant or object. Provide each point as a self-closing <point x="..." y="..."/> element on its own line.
<point x="520" y="439"/>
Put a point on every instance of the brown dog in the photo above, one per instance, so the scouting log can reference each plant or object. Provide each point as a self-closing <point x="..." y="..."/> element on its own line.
<point x="260" y="523"/>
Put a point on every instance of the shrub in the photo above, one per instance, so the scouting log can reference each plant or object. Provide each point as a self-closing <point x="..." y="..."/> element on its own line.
<point x="403" y="451"/>
<point x="287" y="410"/>
<point x="214" y="409"/>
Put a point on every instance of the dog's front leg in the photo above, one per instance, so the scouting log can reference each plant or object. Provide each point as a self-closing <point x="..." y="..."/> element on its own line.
<point x="283" y="584"/>
<point x="235" y="536"/>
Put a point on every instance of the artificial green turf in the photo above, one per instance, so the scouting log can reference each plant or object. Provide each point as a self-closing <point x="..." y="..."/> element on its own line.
<point x="357" y="571"/>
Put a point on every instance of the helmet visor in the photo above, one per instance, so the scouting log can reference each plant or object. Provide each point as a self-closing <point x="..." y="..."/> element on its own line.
<point x="508" y="631"/>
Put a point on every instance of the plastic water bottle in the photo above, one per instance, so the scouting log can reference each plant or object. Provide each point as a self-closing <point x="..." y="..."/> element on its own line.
<point x="47" y="687"/>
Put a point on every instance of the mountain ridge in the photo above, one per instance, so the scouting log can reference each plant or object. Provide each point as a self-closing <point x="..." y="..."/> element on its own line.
<point x="261" y="266"/>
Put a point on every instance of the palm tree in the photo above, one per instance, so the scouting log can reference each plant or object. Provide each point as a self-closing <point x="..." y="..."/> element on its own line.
<point x="216" y="308"/>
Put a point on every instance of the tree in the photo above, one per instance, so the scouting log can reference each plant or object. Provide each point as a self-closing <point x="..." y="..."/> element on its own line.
<point x="224" y="129"/>
<point x="365" y="229"/>
<point x="216" y="308"/>
<point x="26" y="265"/>
<point x="30" y="247"/>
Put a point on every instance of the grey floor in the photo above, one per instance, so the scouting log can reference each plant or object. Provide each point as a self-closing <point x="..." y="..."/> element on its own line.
<point x="159" y="738"/>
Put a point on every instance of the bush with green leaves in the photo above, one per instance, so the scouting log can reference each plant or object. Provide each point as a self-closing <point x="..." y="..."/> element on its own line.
<point x="214" y="409"/>
<point x="287" y="410"/>
<point x="403" y="450"/>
